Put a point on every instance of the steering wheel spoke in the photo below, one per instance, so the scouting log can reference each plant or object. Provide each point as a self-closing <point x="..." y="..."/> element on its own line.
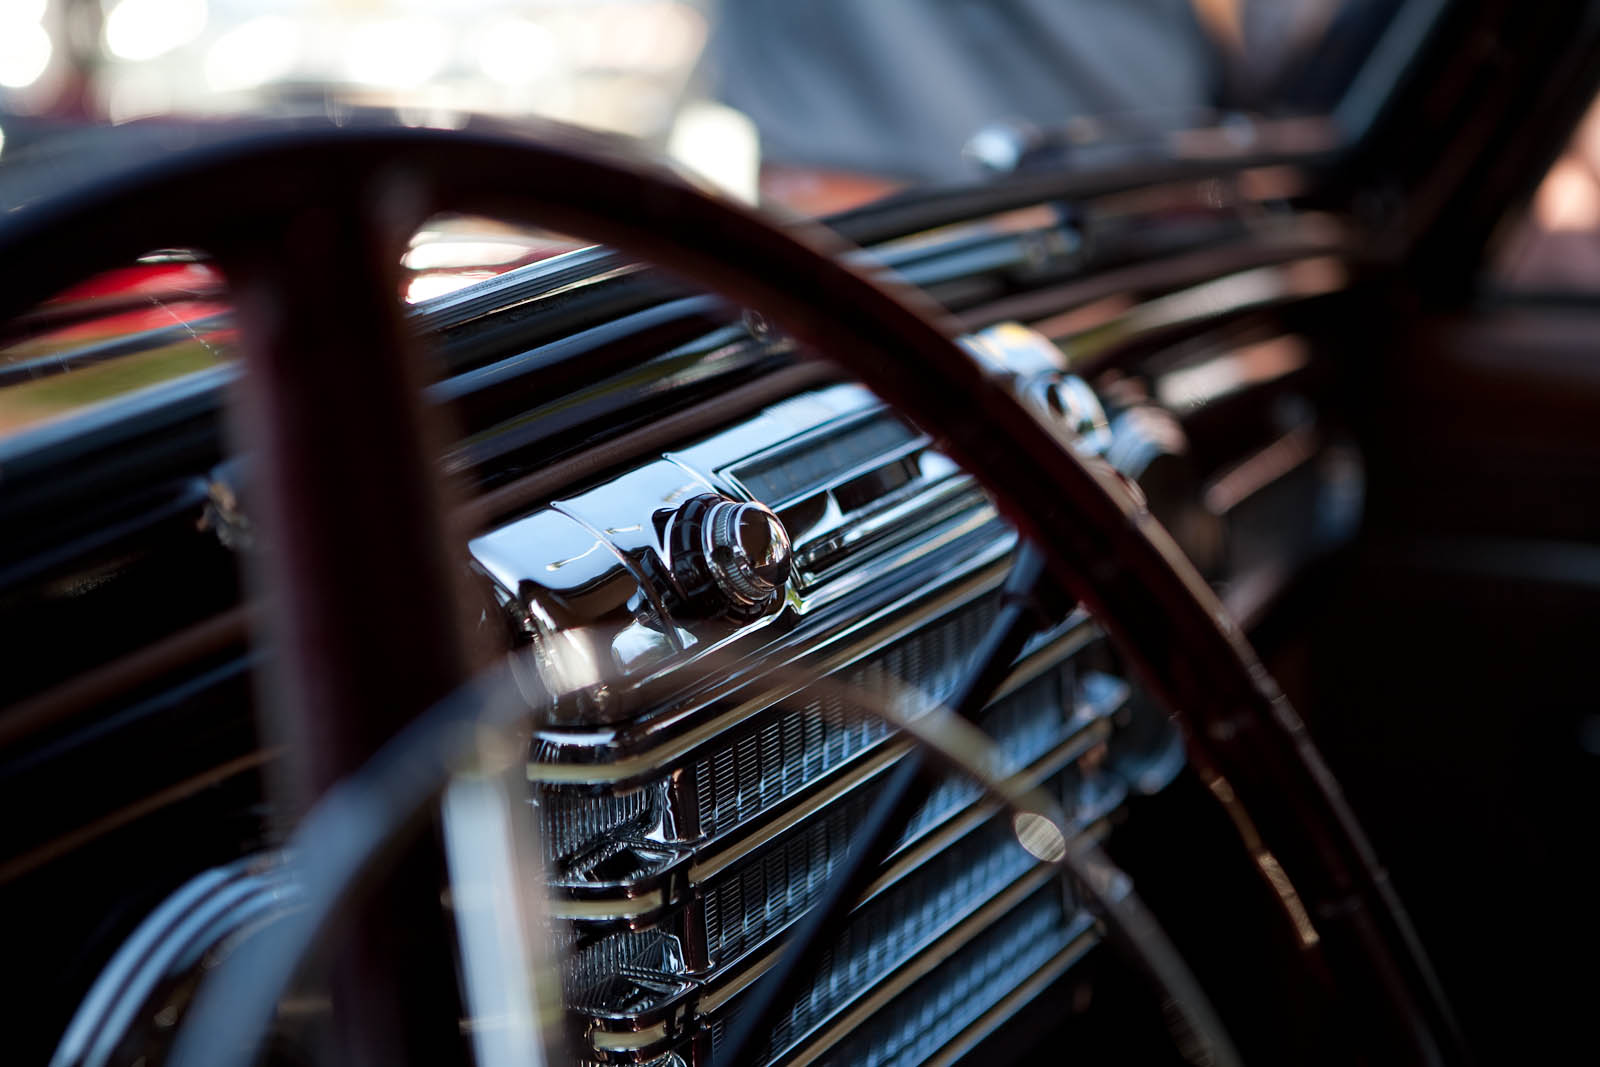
<point x="361" y="602"/>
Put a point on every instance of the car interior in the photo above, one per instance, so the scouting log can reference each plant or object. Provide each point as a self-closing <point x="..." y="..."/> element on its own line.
<point x="484" y="595"/>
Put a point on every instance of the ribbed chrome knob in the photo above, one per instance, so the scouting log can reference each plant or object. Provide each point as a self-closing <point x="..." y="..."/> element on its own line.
<point x="747" y="551"/>
<point x="727" y="557"/>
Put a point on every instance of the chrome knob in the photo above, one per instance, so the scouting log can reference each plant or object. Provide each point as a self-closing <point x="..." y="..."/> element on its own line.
<point x="1073" y="403"/>
<point x="729" y="557"/>
<point x="748" y="550"/>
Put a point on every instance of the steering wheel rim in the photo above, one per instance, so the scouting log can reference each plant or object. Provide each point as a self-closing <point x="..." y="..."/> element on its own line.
<point x="304" y="211"/>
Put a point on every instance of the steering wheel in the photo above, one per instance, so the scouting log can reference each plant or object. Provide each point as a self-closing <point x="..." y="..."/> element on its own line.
<point x="361" y="599"/>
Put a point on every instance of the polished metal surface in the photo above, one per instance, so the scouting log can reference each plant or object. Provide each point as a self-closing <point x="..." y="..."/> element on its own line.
<point x="584" y="614"/>
<point x="620" y="756"/>
<point x="645" y="991"/>
<point x="747" y="549"/>
<point x="1039" y="369"/>
<point x="711" y="839"/>
<point x="703" y="812"/>
<point x="771" y="758"/>
<point x="776" y="775"/>
<point x="605" y="603"/>
<point x="727" y="559"/>
<point x="1017" y="351"/>
<point x="817" y="498"/>
<point x="691" y="809"/>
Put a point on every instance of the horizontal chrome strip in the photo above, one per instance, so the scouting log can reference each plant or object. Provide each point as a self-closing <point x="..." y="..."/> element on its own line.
<point x="1191" y="308"/>
<point x="608" y="909"/>
<point x="628" y="1041"/>
<point x="1083" y="937"/>
<point x="835" y="587"/>
<point x="737" y="471"/>
<point x="594" y="575"/>
<point x="1074" y="634"/>
<point x="894" y="564"/>
<point x="931" y="503"/>
<point x="954" y="826"/>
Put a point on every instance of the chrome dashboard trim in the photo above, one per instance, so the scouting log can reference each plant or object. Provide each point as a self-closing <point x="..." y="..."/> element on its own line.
<point x="625" y="517"/>
<point x="852" y="406"/>
<point x="466" y="317"/>
<point x="607" y="909"/>
<point x="942" y="499"/>
<point x="625" y="753"/>
<point x="715" y="639"/>
<point x="520" y="286"/>
<point x="876" y="499"/>
<point x="964" y="821"/>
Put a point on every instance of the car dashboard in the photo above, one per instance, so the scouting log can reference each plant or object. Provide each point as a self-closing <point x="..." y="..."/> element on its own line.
<point x="707" y="558"/>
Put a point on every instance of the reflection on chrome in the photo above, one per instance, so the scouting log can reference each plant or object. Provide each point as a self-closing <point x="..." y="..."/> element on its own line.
<point x="491" y="845"/>
<point x="1036" y="833"/>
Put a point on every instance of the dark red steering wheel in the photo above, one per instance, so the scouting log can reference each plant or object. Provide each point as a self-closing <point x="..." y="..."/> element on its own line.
<point x="308" y="225"/>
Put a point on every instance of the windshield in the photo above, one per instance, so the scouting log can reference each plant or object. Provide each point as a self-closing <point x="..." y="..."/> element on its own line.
<point x="867" y="95"/>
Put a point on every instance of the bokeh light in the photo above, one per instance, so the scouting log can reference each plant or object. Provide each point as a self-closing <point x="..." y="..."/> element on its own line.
<point x="253" y="54"/>
<point x="137" y="30"/>
<point x="25" y="45"/>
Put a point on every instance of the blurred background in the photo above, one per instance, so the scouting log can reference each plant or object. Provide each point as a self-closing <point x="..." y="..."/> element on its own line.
<point x="813" y="107"/>
<point x="617" y="65"/>
<point x="898" y="89"/>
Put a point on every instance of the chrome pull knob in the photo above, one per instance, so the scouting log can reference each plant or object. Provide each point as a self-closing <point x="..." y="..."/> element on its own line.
<point x="1073" y="403"/>
<point x="729" y="557"/>
<point x="748" y="550"/>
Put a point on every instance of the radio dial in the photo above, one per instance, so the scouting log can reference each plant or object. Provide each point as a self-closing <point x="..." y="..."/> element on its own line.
<point x="729" y="557"/>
